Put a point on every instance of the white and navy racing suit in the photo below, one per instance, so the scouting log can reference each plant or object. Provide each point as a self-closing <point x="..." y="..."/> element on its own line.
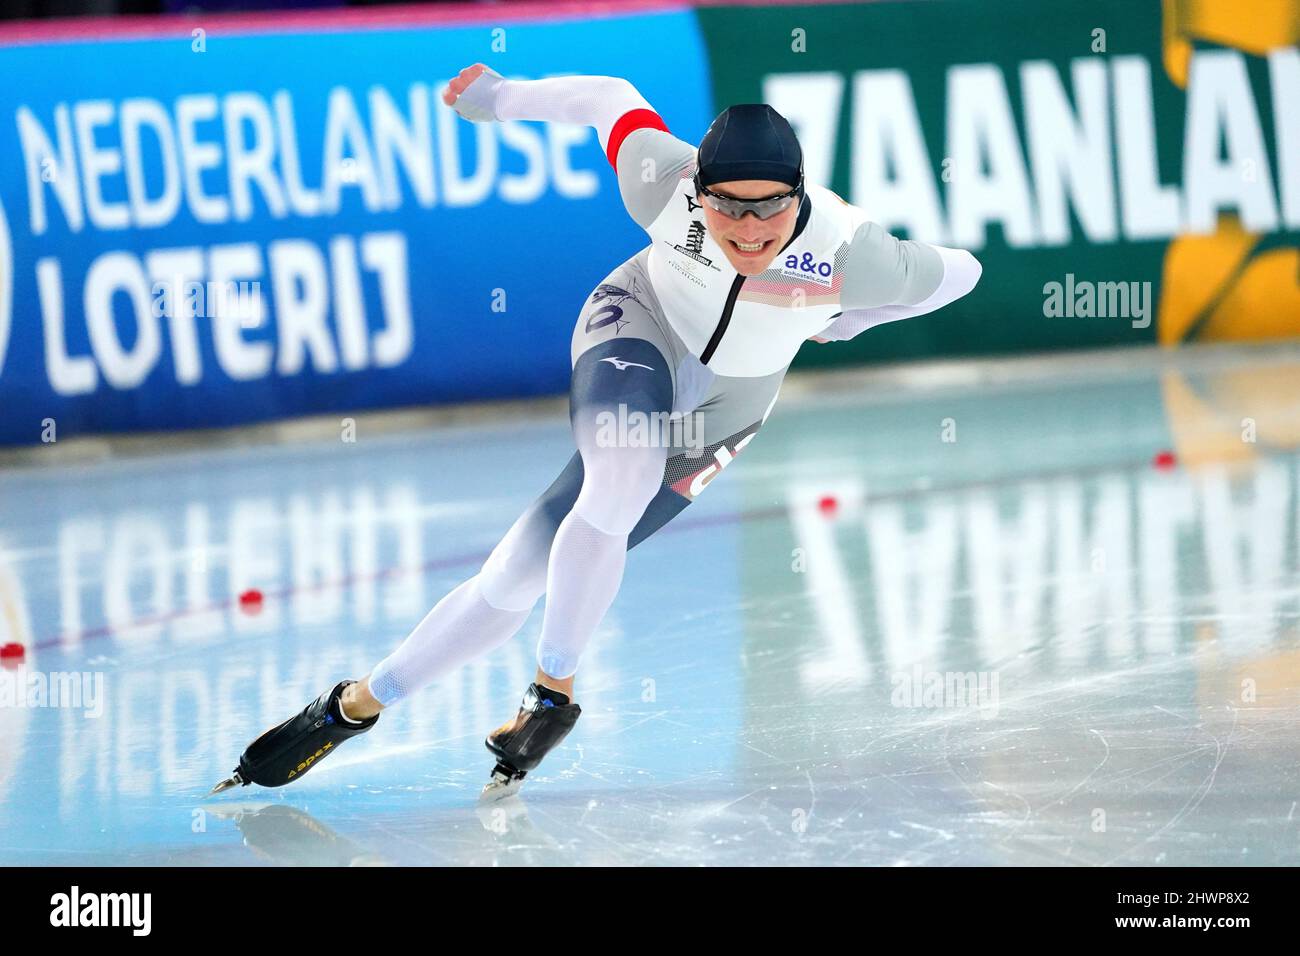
<point x="673" y="334"/>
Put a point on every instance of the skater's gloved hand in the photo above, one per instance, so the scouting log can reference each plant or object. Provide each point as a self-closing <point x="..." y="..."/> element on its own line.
<point x="472" y="93"/>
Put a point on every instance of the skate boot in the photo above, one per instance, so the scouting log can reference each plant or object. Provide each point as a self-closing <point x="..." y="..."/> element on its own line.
<point x="545" y="718"/>
<point x="285" y="753"/>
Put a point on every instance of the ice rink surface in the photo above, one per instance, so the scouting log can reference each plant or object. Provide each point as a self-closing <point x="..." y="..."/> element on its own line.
<point x="1007" y="638"/>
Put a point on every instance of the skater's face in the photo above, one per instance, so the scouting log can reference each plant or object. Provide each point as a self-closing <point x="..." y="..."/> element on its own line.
<point x="750" y="243"/>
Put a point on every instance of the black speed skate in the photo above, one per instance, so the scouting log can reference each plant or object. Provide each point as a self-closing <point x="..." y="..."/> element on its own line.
<point x="545" y="718"/>
<point x="285" y="753"/>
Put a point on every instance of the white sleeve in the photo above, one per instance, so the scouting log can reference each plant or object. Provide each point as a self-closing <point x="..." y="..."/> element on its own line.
<point x="597" y="101"/>
<point x="961" y="271"/>
<point x="651" y="166"/>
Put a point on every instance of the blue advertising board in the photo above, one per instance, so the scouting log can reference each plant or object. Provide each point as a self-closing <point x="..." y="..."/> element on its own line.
<point x="226" y="227"/>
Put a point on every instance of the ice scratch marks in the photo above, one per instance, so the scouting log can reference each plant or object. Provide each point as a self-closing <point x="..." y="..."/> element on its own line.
<point x="1091" y="773"/>
<point x="1197" y="795"/>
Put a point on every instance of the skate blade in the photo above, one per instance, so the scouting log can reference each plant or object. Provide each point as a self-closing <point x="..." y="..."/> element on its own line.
<point x="498" y="789"/>
<point x="234" y="809"/>
<point x="232" y="781"/>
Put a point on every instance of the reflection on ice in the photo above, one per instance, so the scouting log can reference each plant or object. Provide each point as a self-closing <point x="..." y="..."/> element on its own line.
<point x="1022" y="646"/>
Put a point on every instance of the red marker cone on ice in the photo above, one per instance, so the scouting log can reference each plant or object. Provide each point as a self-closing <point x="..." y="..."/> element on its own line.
<point x="11" y="655"/>
<point x="250" y="602"/>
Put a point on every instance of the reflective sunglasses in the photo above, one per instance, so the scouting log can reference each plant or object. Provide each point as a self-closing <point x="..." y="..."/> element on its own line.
<point x="764" y="208"/>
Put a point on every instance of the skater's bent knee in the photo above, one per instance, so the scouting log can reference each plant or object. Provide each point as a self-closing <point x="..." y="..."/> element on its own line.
<point x="617" y="486"/>
<point x="639" y="471"/>
<point x="507" y="592"/>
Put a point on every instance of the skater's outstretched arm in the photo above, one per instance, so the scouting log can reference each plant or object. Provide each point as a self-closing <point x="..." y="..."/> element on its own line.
<point x="649" y="160"/>
<point x="888" y="279"/>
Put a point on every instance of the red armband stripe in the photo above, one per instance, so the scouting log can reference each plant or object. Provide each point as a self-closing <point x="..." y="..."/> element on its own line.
<point x="630" y="122"/>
